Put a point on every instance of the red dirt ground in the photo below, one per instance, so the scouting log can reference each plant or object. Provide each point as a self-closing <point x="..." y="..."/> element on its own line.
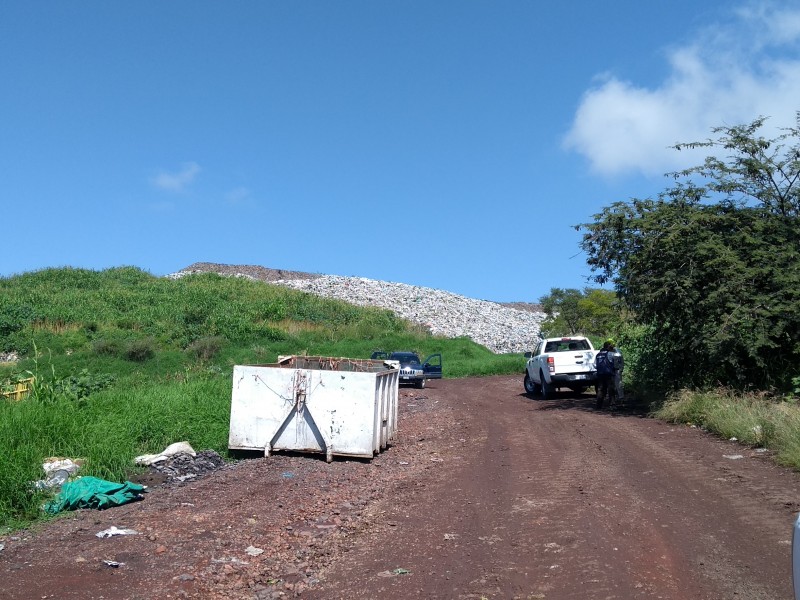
<point x="486" y="493"/>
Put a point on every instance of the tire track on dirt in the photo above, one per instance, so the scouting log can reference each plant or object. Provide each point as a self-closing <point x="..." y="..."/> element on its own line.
<point x="583" y="524"/>
<point x="720" y="499"/>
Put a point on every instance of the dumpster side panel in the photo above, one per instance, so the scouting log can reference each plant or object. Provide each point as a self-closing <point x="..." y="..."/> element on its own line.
<point x="391" y="391"/>
<point x="342" y="403"/>
<point x="261" y="400"/>
<point x="333" y="412"/>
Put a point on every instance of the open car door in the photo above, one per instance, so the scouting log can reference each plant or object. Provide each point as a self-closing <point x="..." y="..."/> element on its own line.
<point x="433" y="366"/>
<point x="379" y="355"/>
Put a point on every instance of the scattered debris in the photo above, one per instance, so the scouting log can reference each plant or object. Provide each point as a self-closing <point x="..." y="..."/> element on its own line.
<point x="169" y="451"/>
<point x="732" y="456"/>
<point x="7" y="357"/>
<point x="56" y="480"/>
<point x="232" y="561"/>
<point x="552" y="547"/>
<point x="2" y="546"/>
<point x="113" y="564"/>
<point x="113" y="530"/>
<point x="287" y="475"/>
<point x="54" y="463"/>
<point x="57" y="470"/>
<point x="450" y="536"/>
<point x="92" y="492"/>
<point x="394" y="573"/>
<point x="184" y="467"/>
<point x="253" y="551"/>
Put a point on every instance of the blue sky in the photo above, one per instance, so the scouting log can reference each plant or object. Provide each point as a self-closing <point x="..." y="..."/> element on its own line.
<point x="450" y="144"/>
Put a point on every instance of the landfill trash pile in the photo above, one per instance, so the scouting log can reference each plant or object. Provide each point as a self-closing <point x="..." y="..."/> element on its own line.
<point x="498" y="327"/>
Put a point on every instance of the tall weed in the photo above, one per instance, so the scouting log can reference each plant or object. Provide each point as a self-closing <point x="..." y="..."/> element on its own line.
<point x="752" y="419"/>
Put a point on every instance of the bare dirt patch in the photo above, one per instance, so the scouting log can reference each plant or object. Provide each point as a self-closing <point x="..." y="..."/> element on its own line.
<point x="486" y="493"/>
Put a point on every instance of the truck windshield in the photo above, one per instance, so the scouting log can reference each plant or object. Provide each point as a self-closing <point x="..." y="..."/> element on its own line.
<point x="566" y="346"/>
<point x="405" y="357"/>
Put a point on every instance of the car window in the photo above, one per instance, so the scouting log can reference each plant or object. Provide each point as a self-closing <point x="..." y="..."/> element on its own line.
<point x="567" y="345"/>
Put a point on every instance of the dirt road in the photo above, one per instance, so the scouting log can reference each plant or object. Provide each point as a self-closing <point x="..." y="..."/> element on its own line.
<point x="486" y="494"/>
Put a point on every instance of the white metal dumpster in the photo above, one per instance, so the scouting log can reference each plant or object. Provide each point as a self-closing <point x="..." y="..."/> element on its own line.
<point x="334" y="406"/>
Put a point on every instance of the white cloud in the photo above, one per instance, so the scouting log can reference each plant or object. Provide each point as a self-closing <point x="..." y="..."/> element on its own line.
<point x="775" y="25"/>
<point x="176" y="181"/>
<point x="730" y="74"/>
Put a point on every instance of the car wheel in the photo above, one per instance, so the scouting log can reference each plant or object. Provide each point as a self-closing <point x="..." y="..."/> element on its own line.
<point x="421" y="384"/>
<point x="547" y="388"/>
<point x="530" y="387"/>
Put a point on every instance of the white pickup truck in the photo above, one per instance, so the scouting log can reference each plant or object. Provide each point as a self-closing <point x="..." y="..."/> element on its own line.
<point x="560" y="362"/>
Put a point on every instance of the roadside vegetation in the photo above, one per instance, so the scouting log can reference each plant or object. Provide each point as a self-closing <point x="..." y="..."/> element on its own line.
<point x="756" y="420"/>
<point x="706" y="289"/>
<point x="126" y="363"/>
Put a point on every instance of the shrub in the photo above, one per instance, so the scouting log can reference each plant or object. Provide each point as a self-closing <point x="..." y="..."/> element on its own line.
<point x="206" y="348"/>
<point x="15" y="317"/>
<point x="105" y="347"/>
<point x="84" y="383"/>
<point x="140" y="350"/>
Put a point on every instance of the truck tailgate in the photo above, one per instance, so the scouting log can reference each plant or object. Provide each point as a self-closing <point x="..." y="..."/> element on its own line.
<point x="573" y="361"/>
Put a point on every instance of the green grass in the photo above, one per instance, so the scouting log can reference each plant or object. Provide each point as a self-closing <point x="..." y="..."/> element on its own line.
<point x="752" y="419"/>
<point x="127" y="363"/>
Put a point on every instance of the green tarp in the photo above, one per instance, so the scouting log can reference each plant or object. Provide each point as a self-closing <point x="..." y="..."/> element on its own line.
<point x="91" y="492"/>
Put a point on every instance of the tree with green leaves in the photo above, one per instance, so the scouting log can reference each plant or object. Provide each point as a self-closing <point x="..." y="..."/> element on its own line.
<point x="710" y="269"/>
<point x="592" y="311"/>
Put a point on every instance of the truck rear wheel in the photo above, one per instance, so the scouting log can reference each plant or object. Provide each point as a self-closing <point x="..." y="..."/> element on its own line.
<point x="547" y="388"/>
<point x="530" y="387"/>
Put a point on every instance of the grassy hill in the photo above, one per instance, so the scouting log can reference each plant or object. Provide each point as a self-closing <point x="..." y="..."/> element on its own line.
<point x="127" y="363"/>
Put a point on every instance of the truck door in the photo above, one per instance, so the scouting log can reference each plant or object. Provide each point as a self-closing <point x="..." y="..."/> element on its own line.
<point x="433" y="366"/>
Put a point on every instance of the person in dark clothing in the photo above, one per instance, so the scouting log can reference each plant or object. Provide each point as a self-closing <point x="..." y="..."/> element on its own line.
<point x="619" y="365"/>
<point x="604" y="365"/>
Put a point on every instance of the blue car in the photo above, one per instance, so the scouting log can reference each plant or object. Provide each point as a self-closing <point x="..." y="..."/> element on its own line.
<point x="412" y="370"/>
